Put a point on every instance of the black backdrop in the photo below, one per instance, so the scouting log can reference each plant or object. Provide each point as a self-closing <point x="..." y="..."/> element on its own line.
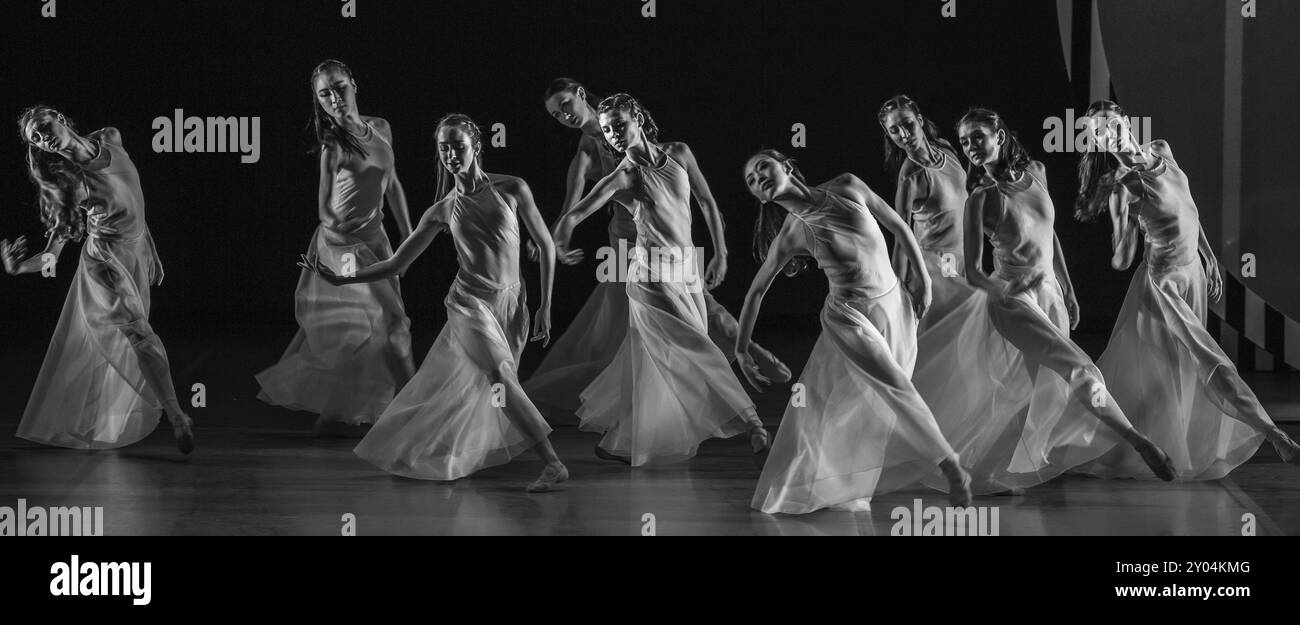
<point x="726" y="77"/>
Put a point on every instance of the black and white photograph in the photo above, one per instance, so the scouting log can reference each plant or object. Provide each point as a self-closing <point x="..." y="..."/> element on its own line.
<point x="874" y="268"/>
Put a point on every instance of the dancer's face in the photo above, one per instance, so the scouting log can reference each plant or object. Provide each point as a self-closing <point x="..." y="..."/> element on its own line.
<point x="766" y="177"/>
<point x="49" y="133"/>
<point x="1110" y="131"/>
<point x="904" y="128"/>
<point x="336" y="93"/>
<point x="621" y="129"/>
<point x="981" y="143"/>
<point x="455" y="149"/>
<point x="569" y="107"/>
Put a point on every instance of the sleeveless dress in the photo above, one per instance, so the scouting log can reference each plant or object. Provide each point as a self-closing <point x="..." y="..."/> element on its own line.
<point x="592" y="339"/>
<point x="934" y="204"/>
<point x="852" y="433"/>
<point x="94" y="390"/>
<point x="668" y="387"/>
<point x="1160" y="356"/>
<point x="352" y="351"/>
<point x="448" y="421"/>
<point x="990" y="367"/>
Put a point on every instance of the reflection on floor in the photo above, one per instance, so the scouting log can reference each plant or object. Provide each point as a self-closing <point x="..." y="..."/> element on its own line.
<point x="264" y="482"/>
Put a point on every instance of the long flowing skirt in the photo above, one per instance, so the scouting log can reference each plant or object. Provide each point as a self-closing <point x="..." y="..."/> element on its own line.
<point x="449" y="420"/>
<point x="1157" y="366"/>
<point x="949" y="288"/>
<point x="92" y="391"/>
<point x="852" y="430"/>
<point x="984" y="371"/>
<point x="352" y="351"/>
<point x="669" y="387"/>
<point x="591" y="341"/>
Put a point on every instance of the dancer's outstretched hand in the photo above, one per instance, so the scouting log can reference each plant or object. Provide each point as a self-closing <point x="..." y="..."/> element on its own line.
<point x="1214" y="279"/>
<point x="315" y="266"/>
<point x="749" y="367"/>
<point x="716" y="271"/>
<point x="12" y="254"/>
<point x="922" y="295"/>
<point x="1072" y="308"/>
<point x="542" y="327"/>
<point x="568" y="256"/>
<point x="531" y="251"/>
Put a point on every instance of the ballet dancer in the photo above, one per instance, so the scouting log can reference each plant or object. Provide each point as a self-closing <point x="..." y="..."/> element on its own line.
<point x="465" y="410"/>
<point x="931" y="198"/>
<point x="859" y="428"/>
<point x="589" y="343"/>
<point x="668" y="387"/>
<point x="106" y="377"/>
<point x="1007" y="385"/>
<point x="1162" y="365"/>
<point x="352" y="351"/>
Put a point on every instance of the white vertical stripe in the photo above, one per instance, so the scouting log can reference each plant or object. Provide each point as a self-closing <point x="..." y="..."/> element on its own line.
<point x="1232" y="89"/>
<point x="1099" y="82"/>
<point x="1065" y="18"/>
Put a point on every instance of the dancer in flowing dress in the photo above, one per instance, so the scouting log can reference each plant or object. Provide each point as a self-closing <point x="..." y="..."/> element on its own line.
<point x="589" y="343"/>
<point x="352" y="351"/>
<point x="1161" y="364"/>
<point x="668" y="387"/>
<point x="106" y="378"/>
<point x="857" y="427"/>
<point x="465" y="410"/>
<point x="1010" y="390"/>
<point x="931" y="198"/>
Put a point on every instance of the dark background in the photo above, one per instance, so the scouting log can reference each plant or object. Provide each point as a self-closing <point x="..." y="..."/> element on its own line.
<point x="725" y="77"/>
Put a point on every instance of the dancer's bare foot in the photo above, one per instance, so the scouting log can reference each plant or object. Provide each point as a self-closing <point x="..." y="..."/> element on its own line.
<point x="551" y="475"/>
<point x="997" y="489"/>
<point x="1286" y="448"/>
<point x="183" y="431"/>
<point x="770" y="365"/>
<point x="958" y="483"/>
<point x="761" y="442"/>
<point x="605" y="455"/>
<point x="1157" y="460"/>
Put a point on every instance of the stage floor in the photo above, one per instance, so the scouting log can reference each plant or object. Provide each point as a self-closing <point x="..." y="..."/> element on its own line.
<point x="275" y="482"/>
<point x="258" y="471"/>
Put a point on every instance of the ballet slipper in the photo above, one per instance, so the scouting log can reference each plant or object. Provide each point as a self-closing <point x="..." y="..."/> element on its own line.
<point x="1286" y="448"/>
<point x="549" y="478"/>
<point x="605" y="455"/>
<point x="183" y="431"/>
<point x="761" y="442"/>
<point x="1157" y="460"/>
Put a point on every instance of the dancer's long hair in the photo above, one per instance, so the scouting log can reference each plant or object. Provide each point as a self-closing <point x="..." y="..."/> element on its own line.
<point x="446" y="181"/>
<point x="894" y="155"/>
<point x="57" y="181"/>
<point x="1012" y="153"/>
<point x="771" y="216"/>
<point x="328" y="133"/>
<point x="625" y="102"/>
<point x="1093" y="167"/>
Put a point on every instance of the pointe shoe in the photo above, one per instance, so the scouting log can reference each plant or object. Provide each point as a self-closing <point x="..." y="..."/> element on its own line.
<point x="183" y="431"/>
<point x="605" y="455"/>
<point x="761" y="442"/>
<point x="959" y="489"/>
<point x="1286" y="448"/>
<point x="546" y="482"/>
<point x="1157" y="460"/>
